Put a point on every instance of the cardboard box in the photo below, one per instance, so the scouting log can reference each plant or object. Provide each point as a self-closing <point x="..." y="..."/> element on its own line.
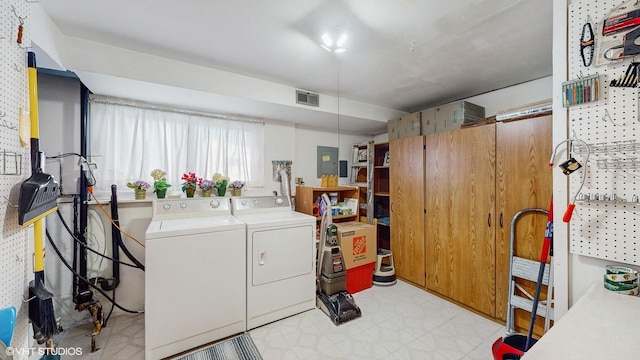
<point x="410" y="125"/>
<point x="358" y="243"/>
<point x="452" y="116"/>
<point x="429" y="125"/>
<point x="392" y="129"/>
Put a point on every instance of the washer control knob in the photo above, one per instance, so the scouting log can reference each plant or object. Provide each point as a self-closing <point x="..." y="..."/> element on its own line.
<point x="214" y="204"/>
<point x="166" y="206"/>
<point x="183" y="205"/>
<point x="243" y="202"/>
<point x="255" y="202"/>
<point x="279" y="201"/>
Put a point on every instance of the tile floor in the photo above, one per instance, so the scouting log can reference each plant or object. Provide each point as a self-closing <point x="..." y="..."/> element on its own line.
<point x="398" y="322"/>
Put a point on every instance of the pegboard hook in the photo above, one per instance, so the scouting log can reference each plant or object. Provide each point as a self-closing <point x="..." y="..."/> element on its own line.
<point x="21" y="19"/>
<point x="606" y="117"/>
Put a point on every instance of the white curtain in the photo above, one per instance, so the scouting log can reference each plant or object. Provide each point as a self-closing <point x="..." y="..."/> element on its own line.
<point x="127" y="142"/>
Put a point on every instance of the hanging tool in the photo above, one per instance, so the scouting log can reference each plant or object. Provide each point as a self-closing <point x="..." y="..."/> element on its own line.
<point x="629" y="46"/>
<point x="568" y="167"/>
<point x="587" y="44"/>
<point x="630" y="78"/>
<point x="38" y="198"/>
<point x="622" y="17"/>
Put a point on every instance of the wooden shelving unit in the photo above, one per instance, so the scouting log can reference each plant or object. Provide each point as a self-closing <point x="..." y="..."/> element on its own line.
<point x="381" y="197"/>
<point x="307" y="197"/>
<point x="362" y="161"/>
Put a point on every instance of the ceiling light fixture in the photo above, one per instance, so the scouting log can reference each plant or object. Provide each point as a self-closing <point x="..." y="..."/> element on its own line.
<point x="328" y="44"/>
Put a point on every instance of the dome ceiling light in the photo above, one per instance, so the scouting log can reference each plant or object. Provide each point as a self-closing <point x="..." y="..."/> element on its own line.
<point x="331" y="46"/>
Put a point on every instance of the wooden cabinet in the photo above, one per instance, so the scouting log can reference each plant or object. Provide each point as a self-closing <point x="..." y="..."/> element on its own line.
<point x="469" y="183"/>
<point x="381" y="195"/>
<point x="406" y="187"/>
<point x="460" y="216"/>
<point x="307" y="197"/>
<point x="523" y="149"/>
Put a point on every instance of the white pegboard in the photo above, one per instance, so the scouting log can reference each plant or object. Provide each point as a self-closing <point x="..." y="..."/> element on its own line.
<point x="15" y="248"/>
<point x="604" y="229"/>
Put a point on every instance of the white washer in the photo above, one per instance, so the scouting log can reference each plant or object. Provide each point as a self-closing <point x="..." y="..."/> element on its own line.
<point x="281" y="275"/>
<point x="195" y="275"/>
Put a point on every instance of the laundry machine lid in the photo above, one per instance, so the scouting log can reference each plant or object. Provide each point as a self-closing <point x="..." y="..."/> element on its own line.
<point x="197" y="225"/>
<point x="276" y="219"/>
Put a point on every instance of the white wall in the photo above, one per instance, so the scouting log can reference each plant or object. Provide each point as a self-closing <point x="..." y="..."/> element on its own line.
<point x="513" y="96"/>
<point x="60" y="133"/>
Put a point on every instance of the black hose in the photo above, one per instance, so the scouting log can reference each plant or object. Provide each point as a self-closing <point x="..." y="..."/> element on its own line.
<point x="76" y="249"/>
<point x="115" y="234"/>
<point x="85" y="280"/>
<point x="112" y="307"/>
<point x="78" y="241"/>
<point x="126" y="251"/>
<point x="84" y="208"/>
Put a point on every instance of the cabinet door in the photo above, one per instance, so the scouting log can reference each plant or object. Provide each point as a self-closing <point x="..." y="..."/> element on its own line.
<point x="406" y="186"/>
<point x="523" y="181"/>
<point x="460" y="220"/>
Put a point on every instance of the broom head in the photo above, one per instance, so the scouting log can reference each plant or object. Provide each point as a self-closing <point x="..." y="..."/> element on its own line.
<point x="41" y="311"/>
<point x="38" y="198"/>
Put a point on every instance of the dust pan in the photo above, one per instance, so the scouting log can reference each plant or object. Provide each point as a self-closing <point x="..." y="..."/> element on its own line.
<point x="39" y="193"/>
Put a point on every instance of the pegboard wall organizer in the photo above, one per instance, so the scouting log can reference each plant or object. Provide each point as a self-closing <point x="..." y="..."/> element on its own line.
<point x="16" y="256"/>
<point x="604" y="222"/>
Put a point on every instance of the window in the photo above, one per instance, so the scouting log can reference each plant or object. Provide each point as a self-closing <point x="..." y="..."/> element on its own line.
<point x="128" y="141"/>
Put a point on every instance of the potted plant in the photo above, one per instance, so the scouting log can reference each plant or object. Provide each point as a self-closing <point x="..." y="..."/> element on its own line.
<point x="207" y="187"/>
<point x="221" y="182"/>
<point x="140" y="187"/>
<point x="160" y="184"/>
<point x="191" y="182"/>
<point x="236" y="187"/>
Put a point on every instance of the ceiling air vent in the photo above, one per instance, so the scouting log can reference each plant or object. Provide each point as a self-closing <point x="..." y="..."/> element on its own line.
<point x="307" y="98"/>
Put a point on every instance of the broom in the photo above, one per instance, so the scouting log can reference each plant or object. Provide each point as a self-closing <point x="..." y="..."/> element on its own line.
<point x="547" y="251"/>
<point x="41" y="300"/>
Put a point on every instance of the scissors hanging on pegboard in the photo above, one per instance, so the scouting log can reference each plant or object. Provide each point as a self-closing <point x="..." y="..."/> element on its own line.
<point x="618" y="34"/>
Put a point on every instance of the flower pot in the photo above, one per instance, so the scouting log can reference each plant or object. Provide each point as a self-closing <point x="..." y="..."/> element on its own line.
<point x="206" y="193"/>
<point x="236" y="192"/>
<point x="141" y="194"/>
<point x="161" y="193"/>
<point x="190" y="192"/>
<point x="221" y="190"/>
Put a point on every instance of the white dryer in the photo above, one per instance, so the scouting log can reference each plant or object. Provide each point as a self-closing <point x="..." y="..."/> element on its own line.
<point x="281" y="275"/>
<point x="195" y="275"/>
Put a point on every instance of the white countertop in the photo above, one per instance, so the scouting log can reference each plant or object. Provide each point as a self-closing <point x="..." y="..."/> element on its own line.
<point x="601" y="325"/>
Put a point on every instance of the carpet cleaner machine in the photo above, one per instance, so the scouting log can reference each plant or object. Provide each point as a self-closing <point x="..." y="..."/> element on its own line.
<point x="332" y="296"/>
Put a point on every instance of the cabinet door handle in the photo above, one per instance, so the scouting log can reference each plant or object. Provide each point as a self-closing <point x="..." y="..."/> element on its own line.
<point x="501" y="220"/>
<point x="489" y="220"/>
<point x="391" y="207"/>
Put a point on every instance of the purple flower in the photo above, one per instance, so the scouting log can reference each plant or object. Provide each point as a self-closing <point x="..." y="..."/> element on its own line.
<point x="139" y="185"/>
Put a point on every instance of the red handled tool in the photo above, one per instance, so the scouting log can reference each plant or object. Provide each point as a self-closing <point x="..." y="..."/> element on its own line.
<point x="568" y="167"/>
<point x="547" y="252"/>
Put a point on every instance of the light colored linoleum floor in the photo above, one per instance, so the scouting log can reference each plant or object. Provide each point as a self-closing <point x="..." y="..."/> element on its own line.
<point x="398" y="322"/>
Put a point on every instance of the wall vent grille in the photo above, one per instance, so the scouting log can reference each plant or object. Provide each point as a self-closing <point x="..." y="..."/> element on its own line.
<point x="307" y="98"/>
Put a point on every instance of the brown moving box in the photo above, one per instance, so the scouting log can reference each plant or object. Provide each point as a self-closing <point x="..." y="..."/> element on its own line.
<point x="450" y="116"/>
<point x="392" y="129"/>
<point x="409" y="125"/>
<point x="358" y="243"/>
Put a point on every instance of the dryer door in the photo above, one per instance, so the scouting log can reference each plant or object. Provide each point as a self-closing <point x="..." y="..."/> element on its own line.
<point x="282" y="253"/>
